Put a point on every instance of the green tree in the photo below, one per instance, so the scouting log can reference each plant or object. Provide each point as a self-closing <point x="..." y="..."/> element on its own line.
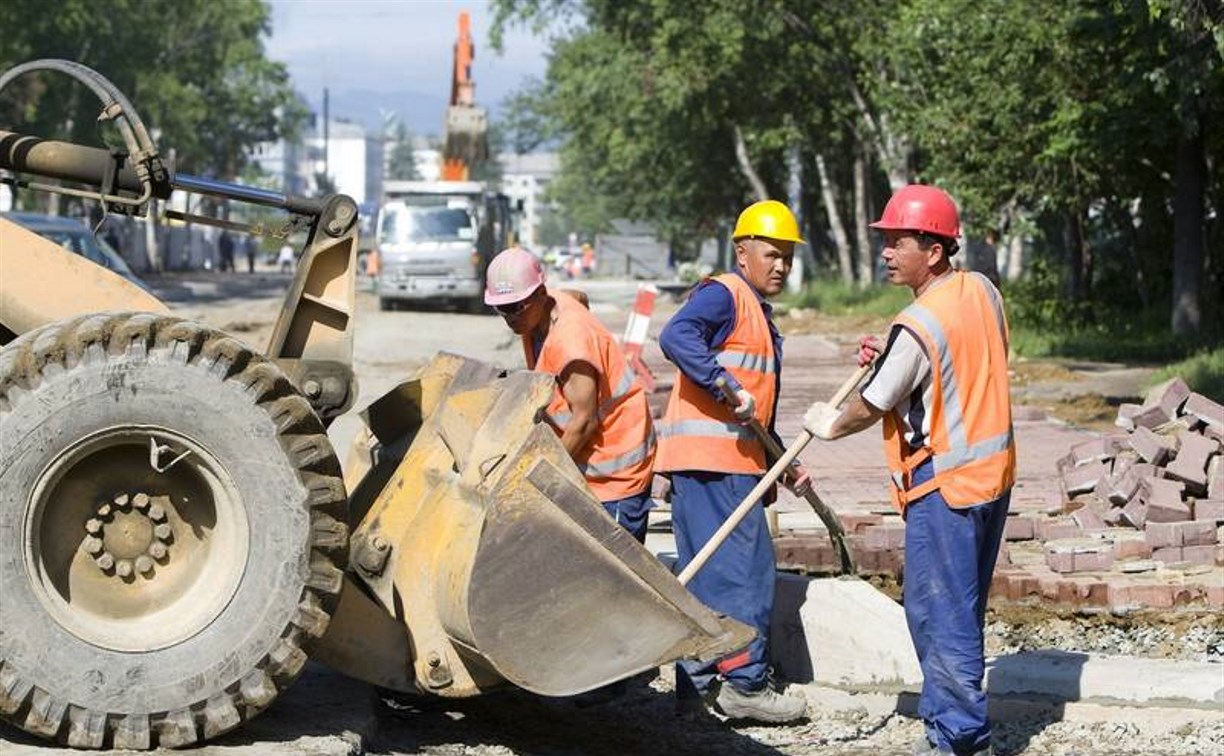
<point x="196" y="72"/>
<point x="401" y="157"/>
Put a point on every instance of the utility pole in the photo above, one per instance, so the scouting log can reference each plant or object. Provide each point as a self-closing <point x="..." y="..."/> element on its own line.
<point x="326" y="140"/>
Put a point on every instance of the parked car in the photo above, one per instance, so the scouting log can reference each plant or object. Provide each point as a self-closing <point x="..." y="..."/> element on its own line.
<point x="75" y="236"/>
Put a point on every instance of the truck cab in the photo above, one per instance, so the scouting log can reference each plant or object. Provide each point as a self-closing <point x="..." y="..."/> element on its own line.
<point x="434" y="240"/>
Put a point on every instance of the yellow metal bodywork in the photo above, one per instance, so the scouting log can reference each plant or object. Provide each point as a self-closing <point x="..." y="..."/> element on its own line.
<point x="477" y="532"/>
<point x="41" y="282"/>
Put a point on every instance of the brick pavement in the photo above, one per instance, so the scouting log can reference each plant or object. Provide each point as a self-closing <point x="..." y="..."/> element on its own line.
<point x="850" y="477"/>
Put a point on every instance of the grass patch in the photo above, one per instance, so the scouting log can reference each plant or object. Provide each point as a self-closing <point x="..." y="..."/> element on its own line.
<point x="1203" y="372"/>
<point x="836" y="298"/>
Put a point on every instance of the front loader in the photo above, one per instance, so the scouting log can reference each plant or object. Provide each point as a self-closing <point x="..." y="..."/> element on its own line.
<point x="177" y="536"/>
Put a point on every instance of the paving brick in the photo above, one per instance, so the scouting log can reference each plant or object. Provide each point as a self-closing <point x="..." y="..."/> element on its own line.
<point x="1089" y="518"/>
<point x="856" y="522"/>
<point x="1019" y="528"/>
<point x="1215" y="477"/>
<point x="1205" y="410"/>
<point x="1172" y="512"/>
<point x="1168" y="554"/>
<point x="1135" y="512"/>
<point x="1056" y="528"/>
<point x="1083" y="478"/>
<point x="1169" y="396"/>
<point x="1214" y="595"/>
<point x="1126" y="415"/>
<point x="1098" y="449"/>
<point x="1190" y="464"/>
<point x="1131" y="545"/>
<point x="1151" y="446"/>
<point x="1151" y="595"/>
<point x="1208" y="510"/>
<point x="1162" y="534"/>
<point x="1078" y="555"/>
<point x="1204" y="554"/>
<point x="890" y="536"/>
<point x="1126" y="482"/>
<point x="1150" y="417"/>
<point x="1159" y="492"/>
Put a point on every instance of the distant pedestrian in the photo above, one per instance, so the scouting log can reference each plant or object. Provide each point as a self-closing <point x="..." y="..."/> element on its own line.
<point x="285" y="259"/>
<point x="941" y="388"/>
<point x="251" y="247"/>
<point x="226" y="247"/>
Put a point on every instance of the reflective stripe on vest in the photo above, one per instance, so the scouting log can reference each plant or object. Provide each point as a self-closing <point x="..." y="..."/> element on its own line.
<point x="698" y="430"/>
<point x="963" y="469"/>
<point x="609" y="467"/>
<point x="761" y="363"/>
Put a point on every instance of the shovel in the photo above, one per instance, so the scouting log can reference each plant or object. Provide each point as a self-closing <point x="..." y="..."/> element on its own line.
<point x="773" y="451"/>
<point x="781" y="465"/>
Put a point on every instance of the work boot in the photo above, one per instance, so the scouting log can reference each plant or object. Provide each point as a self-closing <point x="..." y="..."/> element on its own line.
<point x="764" y="705"/>
<point x="924" y="747"/>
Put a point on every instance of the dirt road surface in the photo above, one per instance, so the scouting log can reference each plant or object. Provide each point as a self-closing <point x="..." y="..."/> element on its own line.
<point x="326" y="713"/>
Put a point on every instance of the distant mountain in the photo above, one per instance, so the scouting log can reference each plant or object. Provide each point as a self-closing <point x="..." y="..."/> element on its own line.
<point x="421" y="112"/>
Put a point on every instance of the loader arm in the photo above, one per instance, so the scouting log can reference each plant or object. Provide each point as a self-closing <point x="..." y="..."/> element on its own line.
<point x="312" y="341"/>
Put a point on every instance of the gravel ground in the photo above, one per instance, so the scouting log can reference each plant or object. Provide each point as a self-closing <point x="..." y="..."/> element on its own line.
<point x="644" y="722"/>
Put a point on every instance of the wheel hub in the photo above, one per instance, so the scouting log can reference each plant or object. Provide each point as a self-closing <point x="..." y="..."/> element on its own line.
<point x="129" y="535"/>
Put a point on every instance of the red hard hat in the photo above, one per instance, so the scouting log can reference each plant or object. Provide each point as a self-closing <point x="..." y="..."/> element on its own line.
<point x="921" y="208"/>
<point x="512" y="276"/>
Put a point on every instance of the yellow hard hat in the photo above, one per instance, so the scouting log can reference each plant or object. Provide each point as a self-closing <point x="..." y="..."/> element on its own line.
<point x="768" y="219"/>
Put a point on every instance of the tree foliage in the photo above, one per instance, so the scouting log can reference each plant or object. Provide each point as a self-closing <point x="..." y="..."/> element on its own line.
<point x="196" y="73"/>
<point x="1084" y="129"/>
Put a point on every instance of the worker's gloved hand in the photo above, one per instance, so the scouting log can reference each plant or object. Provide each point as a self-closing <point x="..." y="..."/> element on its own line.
<point x="746" y="409"/>
<point x="798" y="481"/>
<point x="869" y="348"/>
<point x="819" y="420"/>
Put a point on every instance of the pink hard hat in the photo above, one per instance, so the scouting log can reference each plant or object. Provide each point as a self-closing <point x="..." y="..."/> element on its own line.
<point x="512" y="276"/>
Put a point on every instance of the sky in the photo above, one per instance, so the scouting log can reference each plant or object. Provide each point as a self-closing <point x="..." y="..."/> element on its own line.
<point x="384" y="55"/>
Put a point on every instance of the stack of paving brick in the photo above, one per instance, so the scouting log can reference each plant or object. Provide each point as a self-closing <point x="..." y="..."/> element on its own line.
<point x="1163" y="476"/>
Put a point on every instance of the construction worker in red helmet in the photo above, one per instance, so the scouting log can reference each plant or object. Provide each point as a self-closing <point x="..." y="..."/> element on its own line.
<point x="725" y="331"/>
<point x="941" y="387"/>
<point x="599" y="408"/>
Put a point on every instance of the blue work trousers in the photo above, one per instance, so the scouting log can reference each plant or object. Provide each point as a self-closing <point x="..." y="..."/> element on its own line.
<point x="738" y="580"/>
<point x="631" y="513"/>
<point x="949" y="559"/>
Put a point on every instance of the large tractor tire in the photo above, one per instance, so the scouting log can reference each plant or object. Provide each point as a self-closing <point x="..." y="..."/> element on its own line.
<point x="172" y="532"/>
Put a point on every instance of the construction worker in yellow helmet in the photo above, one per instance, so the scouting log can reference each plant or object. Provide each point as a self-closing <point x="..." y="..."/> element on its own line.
<point x="725" y="331"/>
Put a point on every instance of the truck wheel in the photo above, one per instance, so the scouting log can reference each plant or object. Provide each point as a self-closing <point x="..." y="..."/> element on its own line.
<point x="386" y="304"/>
<point x="172" y="532"/>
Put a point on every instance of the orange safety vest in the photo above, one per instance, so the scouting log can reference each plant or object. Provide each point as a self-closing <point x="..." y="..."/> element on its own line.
<point x="699" y="432"/>
<point x="971" y="443"/>
<point x="618" y="461"/>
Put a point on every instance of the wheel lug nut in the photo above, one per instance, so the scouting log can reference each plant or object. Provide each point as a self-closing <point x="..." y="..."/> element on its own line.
<point x="120" y="500"/>
<point x="105" y="560"/>
<point x="93" y="525"/>
<point x="157" y="549"/>
<point x="144" y="565"/>
<point x="123" y="567"/>
<point x="156" y="512"/>
<point x="93" y="546"/>
<point x="140" y="501"/>
<point x="163" y="531"/>
<point x="104" y="510"/>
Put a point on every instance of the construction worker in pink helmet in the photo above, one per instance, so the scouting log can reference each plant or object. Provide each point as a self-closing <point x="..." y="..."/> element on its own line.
<point x="940" y="386"/>
<point x="599" y="408"/>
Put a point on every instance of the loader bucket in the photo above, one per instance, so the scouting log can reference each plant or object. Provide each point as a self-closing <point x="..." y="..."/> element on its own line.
<point x="486" y="544"/>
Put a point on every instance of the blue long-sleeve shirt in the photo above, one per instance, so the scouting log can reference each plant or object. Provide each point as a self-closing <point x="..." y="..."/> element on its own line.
<point x="700" y="327"/>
